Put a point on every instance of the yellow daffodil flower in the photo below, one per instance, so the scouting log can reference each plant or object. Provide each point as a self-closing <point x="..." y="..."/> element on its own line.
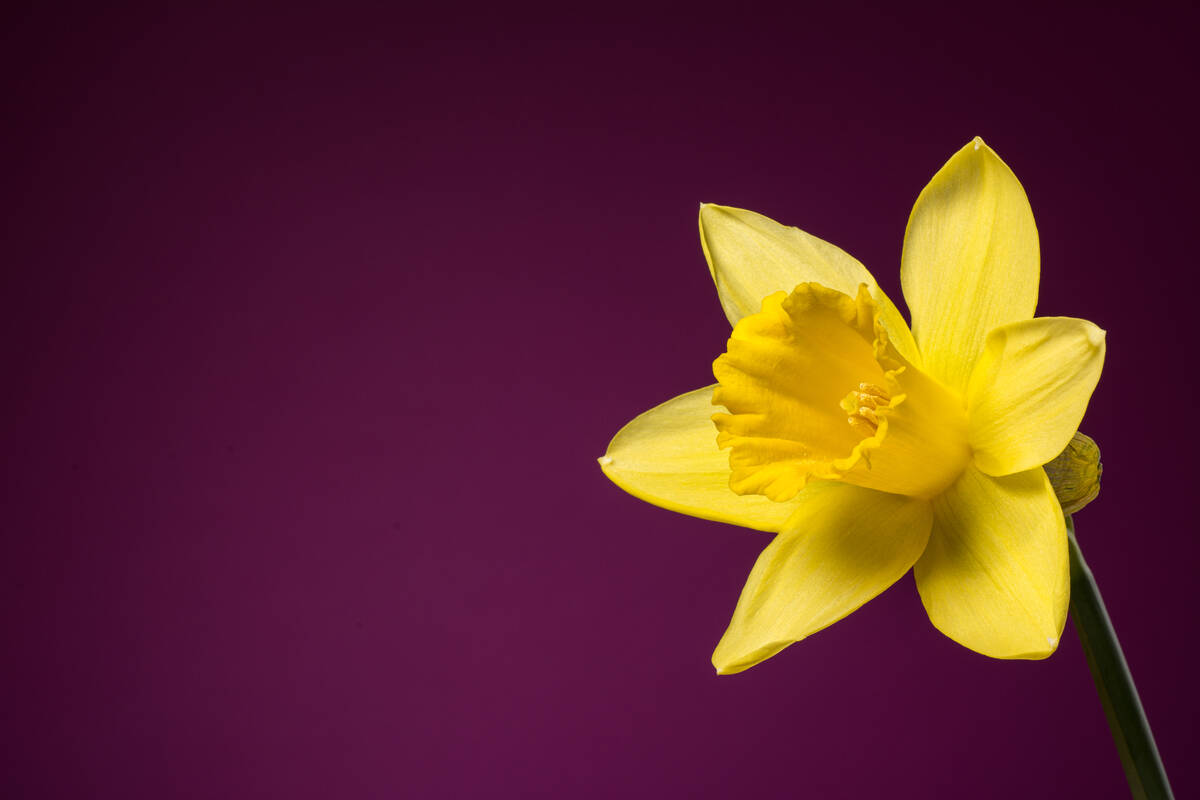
<point x="871" y="447"/>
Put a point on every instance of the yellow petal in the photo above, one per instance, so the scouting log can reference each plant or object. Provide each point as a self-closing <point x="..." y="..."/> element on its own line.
<point x="842" y="547"/>
<point x="751" y="256"/>
<point x="970" y="260"/>
<point x="668" y="456"/>
<point x="994" y="577"/>
<point x="1029" y="390"/>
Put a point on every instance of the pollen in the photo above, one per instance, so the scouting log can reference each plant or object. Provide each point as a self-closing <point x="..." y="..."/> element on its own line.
<point x="862" y="405"/>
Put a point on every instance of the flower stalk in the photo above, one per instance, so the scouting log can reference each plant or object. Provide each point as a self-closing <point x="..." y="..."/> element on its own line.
<point x="1122" y="706"/>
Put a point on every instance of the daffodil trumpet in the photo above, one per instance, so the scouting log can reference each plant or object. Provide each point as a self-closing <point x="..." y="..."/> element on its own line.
<point x="871" y="447"/>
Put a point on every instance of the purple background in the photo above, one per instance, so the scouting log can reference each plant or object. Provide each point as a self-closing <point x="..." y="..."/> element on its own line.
<point x="318" y="319"/>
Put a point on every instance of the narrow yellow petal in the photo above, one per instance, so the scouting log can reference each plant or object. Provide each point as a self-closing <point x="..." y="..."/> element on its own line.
<point x="843" y="546"/>
<point x="668" y="456"/>
<point x="994" y="577"/>
<point x="1030" y="389"/>
<point x="751" y="257"/>
<point x="970" y="260"/>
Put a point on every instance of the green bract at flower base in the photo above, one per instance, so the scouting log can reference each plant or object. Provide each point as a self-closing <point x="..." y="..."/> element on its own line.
<point x="1075" y="473"/>
<point x="871" y="447"/>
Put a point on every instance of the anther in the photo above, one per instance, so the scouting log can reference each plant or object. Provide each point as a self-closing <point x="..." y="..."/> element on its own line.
<point x="863" y="405"/>
<point x="872" y="390"/>
<point x="861" y="426"/>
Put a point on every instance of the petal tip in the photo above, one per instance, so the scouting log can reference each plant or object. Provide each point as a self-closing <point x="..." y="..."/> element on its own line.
<point x="709" y="211"/>
<point x="724" y="665"/>
<point x="1037" y="653"/>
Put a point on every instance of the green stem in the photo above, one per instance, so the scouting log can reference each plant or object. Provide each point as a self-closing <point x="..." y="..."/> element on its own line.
<point x="1126" y="719"/>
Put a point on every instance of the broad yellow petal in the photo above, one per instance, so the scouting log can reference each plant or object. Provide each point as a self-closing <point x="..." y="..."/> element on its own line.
<point x="970" y="260"/>
<point x="751" y="257"/>
<point x="994" y="577"/>
<point x="1029" y="390"/>
<point x="843" y="546"/>
<point x="668" y="456"/>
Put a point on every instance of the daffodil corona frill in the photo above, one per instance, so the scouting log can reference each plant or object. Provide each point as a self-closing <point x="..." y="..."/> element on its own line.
<point x="869" y="447"/>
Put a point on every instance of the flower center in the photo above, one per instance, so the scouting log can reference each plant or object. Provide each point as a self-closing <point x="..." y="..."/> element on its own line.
<point x="862" y="405"/>
<point x="783" y="380"/>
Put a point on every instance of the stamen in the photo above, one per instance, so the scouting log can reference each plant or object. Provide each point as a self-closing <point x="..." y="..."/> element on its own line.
<point x="871" y="390"/>
<point x="863" y="405"/>
<point x="861" y="426"/>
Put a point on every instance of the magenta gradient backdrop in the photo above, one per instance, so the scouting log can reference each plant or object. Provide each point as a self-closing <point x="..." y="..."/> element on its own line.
<point x="318" y="318"/>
